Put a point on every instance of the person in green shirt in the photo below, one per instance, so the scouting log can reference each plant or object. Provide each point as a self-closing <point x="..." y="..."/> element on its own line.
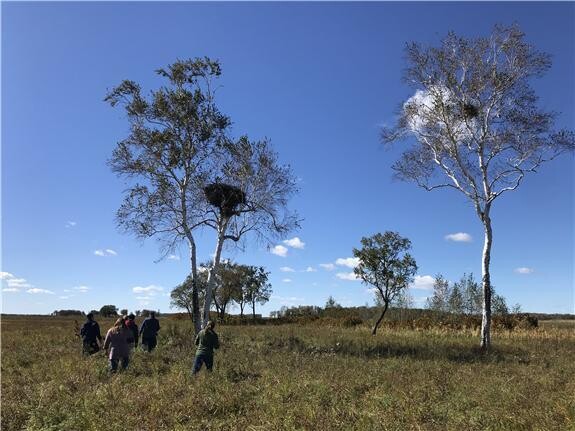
<point x="207" y="341"/>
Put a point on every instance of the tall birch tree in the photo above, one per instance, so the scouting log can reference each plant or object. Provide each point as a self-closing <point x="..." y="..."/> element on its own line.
<point x="250" y="196"/>
<point x="170" y="151"/>
<point x="477" y="125"/>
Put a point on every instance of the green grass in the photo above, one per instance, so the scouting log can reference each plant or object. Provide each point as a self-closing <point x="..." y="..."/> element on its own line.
<point x="291" y="377"/>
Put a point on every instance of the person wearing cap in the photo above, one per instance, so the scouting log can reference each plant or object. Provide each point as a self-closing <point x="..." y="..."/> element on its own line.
<point x="133" y="327"/>
<point x="206" y="340"/>
<point x="149" y="332"/>
<point x="90" y="334"/>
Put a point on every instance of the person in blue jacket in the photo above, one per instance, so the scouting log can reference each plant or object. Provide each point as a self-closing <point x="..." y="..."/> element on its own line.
<point x="91" y="337"/>
<point x="149" y="332"/>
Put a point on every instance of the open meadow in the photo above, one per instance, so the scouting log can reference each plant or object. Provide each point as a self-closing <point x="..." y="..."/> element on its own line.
<point x="291" y="377"/>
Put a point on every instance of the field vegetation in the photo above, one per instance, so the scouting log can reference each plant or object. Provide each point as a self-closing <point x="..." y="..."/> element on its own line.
<point x="321" y="375"/>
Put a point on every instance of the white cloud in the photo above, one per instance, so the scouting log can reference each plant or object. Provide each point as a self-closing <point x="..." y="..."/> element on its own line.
<point x="295" y="243"/>
<point x="350" y="262"/>
<point x="286" y="269"/>
<point x="18" y="283"/>
<point x="36" y="290"/>
<point x="65" y="297"/>
<point x="287" y="280"/>
<point x="310" y="269"/>
<point x="12" y="283"/>
<point x="424" y="282"/>
<point x="71" y="224"/>
<point x="350" y="276"/>
<point x="82" y="289"/>
<point x="150" y="290"/>
<point x="327" y="266"/>
<point x="279" y="250"/>
<point x="287" y="300"/>
<point x="422" y="107"/>
<point x="173" y="257"/>
<point x="459" y="237"/>
<point x="105" y="253"/>
<point x="524" y="270"/>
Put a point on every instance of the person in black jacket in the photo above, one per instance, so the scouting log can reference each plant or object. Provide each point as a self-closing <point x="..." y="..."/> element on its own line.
<point x="133" y="327"/>
<point x="90" y="334"/>
<point x="149" y="332"/>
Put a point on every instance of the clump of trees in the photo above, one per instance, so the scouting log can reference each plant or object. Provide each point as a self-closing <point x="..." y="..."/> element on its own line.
<point x="108" y="311"/>
<point x="477" y="125"/>
<point x="67" y="313"/>
<point x="188" y="173"/>
<point x="465" y="296"/>
<point x="235" y="284"/>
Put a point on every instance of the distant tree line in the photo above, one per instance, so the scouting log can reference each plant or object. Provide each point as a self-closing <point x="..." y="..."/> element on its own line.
<point x="104" y="311"/>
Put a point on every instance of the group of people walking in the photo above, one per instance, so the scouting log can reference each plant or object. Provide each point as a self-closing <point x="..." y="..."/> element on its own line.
<point x="120" y="339"/>
<point x="123" y="337"/>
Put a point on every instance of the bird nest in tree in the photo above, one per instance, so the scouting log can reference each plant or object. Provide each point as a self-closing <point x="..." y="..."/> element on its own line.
<point x="469" y="110"/>
<point x="224" y="196"/>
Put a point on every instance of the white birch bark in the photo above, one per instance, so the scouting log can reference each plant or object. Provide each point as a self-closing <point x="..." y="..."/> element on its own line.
<point x="486" y="283"/>
<point x="195" y="299"/>
<point x="213" y="272"/>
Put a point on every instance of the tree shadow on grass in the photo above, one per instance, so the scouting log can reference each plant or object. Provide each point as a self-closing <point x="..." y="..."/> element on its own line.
<point x="453" y="352"/>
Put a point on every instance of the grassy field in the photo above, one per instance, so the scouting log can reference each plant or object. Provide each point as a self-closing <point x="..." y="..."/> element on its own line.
<point x="291" y="377"/>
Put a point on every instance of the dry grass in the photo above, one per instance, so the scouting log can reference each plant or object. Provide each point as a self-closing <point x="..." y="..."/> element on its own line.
<point x="292" y="377"/>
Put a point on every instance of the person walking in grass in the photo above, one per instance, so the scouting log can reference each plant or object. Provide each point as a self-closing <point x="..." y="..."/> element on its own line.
<point x="133" y="327"/>
<point x="206" y="340"/>
<point x="117" y="345"/>
<point x="149" y="332"/>
<point x="90" y="334"/>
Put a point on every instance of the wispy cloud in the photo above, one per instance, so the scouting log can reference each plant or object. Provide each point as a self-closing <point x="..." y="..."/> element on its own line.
<point x="287" y="280"/>
<point x="5" y="275"/>
<point x="350" y="262"/>
<point x="286" y="269"/>
<point x="82" y="289"/>
<point x="12" y="283"/>
<point x="70" y="224"/>
<point x="105" y="253"/>
<point x="459" y="237"/>
<point x="287" y="300"/>
<point x="295" y="243"/>
<point x="150" y="290"/>
<point x="524" y="270"/>
<point x="423" y="282"/>
<point x="10" y="289"/>
<point x="66" y="296"/>
<point x="350" y="276"/>
<point x="173" y="257"/>
<point x="327" y="266"/>
<point x="35" y="290"/>
<point x="310" y="269"/>
<point x="279" y="250"/>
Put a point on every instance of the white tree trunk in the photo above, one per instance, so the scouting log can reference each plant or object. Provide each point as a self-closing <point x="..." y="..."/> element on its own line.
<point x="195" y="299"/>
<point x="212" y="275"/>
<point x="486" y="283"/>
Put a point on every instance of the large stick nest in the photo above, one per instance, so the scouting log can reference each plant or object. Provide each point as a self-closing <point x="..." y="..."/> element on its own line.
<point x="225" y="197"/>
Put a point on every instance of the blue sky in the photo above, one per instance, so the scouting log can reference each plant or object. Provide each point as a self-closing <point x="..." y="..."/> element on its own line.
<point x="319" y="80"/>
